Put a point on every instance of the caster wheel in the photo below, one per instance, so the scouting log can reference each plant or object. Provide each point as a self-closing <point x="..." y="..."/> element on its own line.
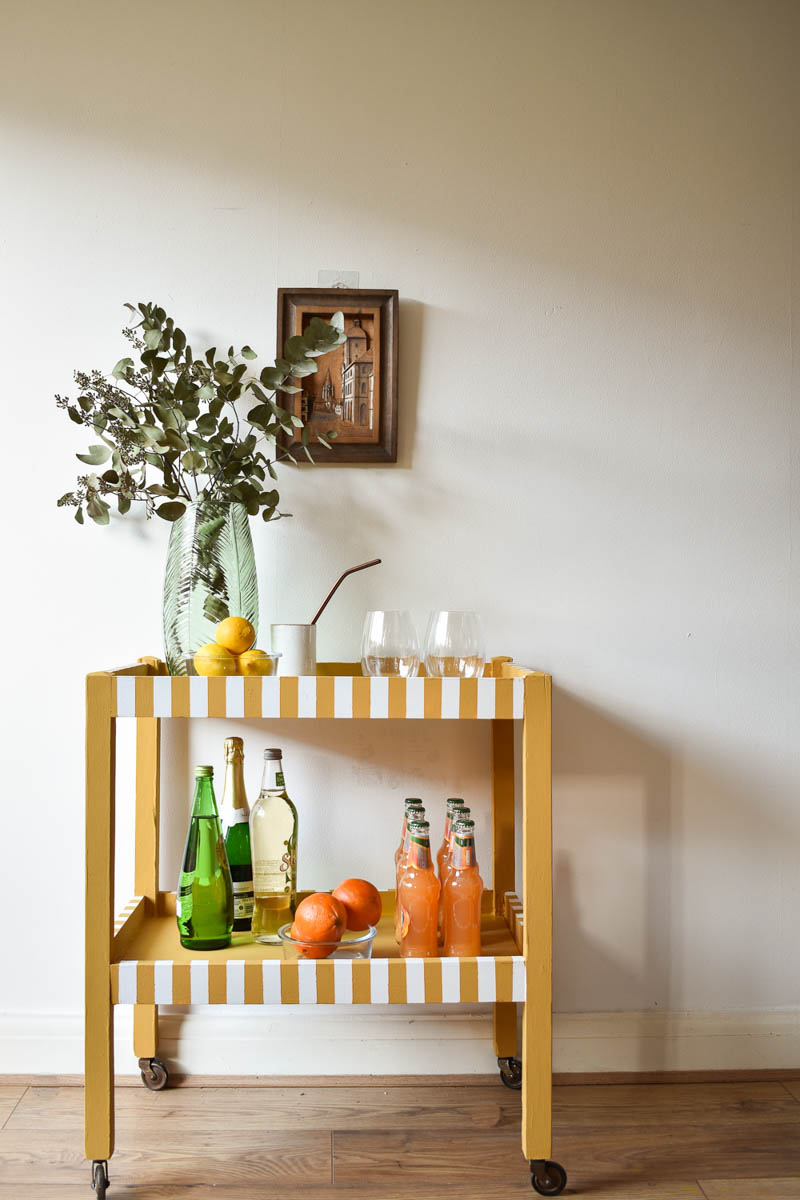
<point x="100" y="1178"/>
<point x="548" y="1178"/>
<point x="511" y="1073"/>
<point x="155" y="1075"/>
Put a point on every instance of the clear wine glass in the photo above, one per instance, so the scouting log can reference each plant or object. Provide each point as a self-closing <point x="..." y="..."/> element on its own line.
<point x="454" y="644"/>
<point x="389" y="644"/>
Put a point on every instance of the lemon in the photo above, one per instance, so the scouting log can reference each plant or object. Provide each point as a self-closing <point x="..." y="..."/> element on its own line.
<point x="235" y="634"/>
<point x="254" y="662"/>
<point x="212" y="659"/>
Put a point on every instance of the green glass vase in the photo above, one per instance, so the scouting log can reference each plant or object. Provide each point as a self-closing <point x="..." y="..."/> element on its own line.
<point x="210" y="575"/>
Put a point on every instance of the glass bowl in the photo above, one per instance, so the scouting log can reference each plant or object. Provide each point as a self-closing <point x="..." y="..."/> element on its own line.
<point x="352" y="945"/>
<point x="251" y="664"/>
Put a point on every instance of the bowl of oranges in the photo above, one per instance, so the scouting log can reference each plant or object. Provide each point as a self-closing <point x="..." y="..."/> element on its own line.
<point x="338" y="924"/>
<point x="232" y="652"/>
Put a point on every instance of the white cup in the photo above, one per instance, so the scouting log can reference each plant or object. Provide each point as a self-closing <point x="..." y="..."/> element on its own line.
<point x="297" y="646"/>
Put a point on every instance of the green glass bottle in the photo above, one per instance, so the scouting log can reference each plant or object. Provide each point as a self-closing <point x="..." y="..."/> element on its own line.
<point x="205" y="892"/>
<point x="235" y="814"/>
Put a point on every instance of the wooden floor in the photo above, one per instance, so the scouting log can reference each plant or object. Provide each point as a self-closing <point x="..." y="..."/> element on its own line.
<point x="715" y="1141"/>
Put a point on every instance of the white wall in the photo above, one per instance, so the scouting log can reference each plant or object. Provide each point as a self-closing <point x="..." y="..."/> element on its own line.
<point x="588" y="211"/>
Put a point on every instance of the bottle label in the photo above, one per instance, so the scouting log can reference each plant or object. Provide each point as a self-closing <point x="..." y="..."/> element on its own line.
<point x="279" y="779"/>
<point x="243" y="899"/>
<point x="185" y="904"/>
<point x="234" y="816"/>
<point x="272" y="874"/>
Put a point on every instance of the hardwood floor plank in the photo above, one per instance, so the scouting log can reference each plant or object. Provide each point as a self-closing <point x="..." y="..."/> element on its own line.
<point x="9" y="1098"/>
<point x="752" y="1189"/>
<point x="140" y="1111"/>
<point x="400" y="1156"/>
<point x="793" y="1088"/>
<point x="264" y="1158"/>
<point x="726" y="1104"/>
<point x="417" y="1191"/>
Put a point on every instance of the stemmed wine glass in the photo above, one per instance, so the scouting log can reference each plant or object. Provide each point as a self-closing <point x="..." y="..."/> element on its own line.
<point x="454" y="644"/>
<point x="389" y="644"/>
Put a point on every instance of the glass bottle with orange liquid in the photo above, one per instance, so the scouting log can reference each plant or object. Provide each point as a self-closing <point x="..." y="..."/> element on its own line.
<point x="418" y="897"/>
<point x="414" y="809"/>
<point x="454" y="806"/>
<point x="463" y="889"/>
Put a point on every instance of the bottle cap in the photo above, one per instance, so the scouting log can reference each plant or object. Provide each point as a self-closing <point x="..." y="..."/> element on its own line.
<point x="234" y="749"/>
<point x="465" y="825"/>
<point x="204" y="772"/>
<point x="421" y="827"/>
<point x="271" y="754"/>
<point x="415" y="806"/>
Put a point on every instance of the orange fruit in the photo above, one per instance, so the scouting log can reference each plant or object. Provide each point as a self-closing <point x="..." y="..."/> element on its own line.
<point x="308" y="949"/>
<point x="212" y="659"/>
<point x="235" y="634"/>
<point x="320" y="918"/>
<point x="362" y="902"/>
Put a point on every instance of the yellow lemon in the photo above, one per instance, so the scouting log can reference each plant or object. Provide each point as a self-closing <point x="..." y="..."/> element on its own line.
<point x="235" y="634"/>
<point x="254" y="662"/>
<point x="212" y="659"/>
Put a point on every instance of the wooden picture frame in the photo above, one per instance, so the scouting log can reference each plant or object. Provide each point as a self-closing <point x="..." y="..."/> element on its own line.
<point x="354" y="391"/>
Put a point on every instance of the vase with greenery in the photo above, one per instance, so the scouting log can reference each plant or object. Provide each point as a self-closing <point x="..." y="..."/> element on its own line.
<point x="171" y="435"/>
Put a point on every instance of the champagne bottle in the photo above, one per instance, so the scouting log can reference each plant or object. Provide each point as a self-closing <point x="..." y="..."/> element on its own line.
<point x="235" y="816"/>
<point x="205" y="891"/>
<point x="273" y="843"/>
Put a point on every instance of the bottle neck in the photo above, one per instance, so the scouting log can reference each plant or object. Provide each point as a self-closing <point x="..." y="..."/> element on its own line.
<point x="234" y="797"/>
<point x="272" y="780"/>
<point x="205" y="803"/>
<point x="463" y="852"/>
<point x="419" y="852"/>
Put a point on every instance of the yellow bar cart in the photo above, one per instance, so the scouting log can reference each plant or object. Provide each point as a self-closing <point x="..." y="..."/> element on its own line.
<point x="137" y="959"/>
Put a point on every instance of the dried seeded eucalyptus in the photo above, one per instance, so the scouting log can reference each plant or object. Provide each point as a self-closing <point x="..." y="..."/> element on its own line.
<point x="177" y="414"/>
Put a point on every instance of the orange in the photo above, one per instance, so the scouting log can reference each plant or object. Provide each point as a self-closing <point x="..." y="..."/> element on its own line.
<point x="362" y="902"/>
<point x="212" y="659"/>
<point x="235" y="634"/>
<point x="320" y="918"/>
<point x="308" y="949"/>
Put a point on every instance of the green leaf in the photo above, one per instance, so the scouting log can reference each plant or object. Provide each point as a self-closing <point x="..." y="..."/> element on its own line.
<point x="172" y="510"/>
<point x="298" y="424"/>
<point x="206" y="424"/>
<point x="94" y="457"/>
<point x="121" y="369"/>
<point x="272" y="377"/>
<point x="305" y="435"/>
<point x="206" y="392"/>
<point x="306" y="367"/>
<point x="215" y="609"/>
<point x="79" y="515"/>
<point x="179" y="340"/>
<point x="272" y="471"/>
<point x="337" y="321"/>
<point x="192" y="461"/>
<point x="331" y="433"/>
<point x="294" y="351"/>
<point x="308" y="454"/>
<point x="289" y="388"/>
<point x="323" y="442"/>
<point x="123" y="504"/>
<point x="98" y="510"/>
<point x="152" y="339"/>
<point x="210" y="355"/>
<point x="248" y="352"/>
<point x="74" y="415"/>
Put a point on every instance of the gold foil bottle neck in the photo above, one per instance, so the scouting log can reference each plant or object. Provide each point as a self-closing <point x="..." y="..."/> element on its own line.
<point x="234" y="750"/>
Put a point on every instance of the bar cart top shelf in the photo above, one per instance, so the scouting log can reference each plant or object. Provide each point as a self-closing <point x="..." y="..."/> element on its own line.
<point x="338" y="690"/>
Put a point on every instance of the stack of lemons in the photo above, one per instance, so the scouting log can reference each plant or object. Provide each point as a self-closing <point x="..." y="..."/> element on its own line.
<point x="233" y="652"/>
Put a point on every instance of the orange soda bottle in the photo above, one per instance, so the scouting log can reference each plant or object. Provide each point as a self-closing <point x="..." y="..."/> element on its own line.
<point x="415" y="809"/>
<point x="418" y="896"/>
<point x="462" y="895"/>
<point x="455" y="807"/>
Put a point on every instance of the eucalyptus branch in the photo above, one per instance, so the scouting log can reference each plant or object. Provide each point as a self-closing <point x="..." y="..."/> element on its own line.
<point x="167" y="413"/>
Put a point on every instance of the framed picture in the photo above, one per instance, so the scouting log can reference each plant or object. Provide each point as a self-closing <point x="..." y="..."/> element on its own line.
<point x="354" y="391"/>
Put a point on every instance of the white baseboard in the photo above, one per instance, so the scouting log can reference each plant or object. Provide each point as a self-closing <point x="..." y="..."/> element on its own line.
<point x="385" y="1041"/>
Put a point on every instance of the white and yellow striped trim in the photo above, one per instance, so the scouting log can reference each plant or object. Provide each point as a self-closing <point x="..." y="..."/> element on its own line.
<point x="126" y="913"/>
<point x="315" y="696"/>
<point x="343" y="981"/>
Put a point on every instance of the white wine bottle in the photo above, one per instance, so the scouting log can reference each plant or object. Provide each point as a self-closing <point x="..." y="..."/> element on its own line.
<point x="273" y="845"/>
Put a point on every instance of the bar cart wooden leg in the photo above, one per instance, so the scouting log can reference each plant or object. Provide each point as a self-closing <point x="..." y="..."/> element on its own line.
<point x="99" y="1029"/>
<point x="155" y="1075"/>
<point x="503" y="877"/>
<point x="547" y="1178"/>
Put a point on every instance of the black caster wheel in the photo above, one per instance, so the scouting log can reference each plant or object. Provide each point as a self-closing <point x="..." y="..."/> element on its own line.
<point x="511" y="1073"/>
<point x="548" y="1178"/>
<point x="155" y="1075"/>
<point x="100" y="1177"/>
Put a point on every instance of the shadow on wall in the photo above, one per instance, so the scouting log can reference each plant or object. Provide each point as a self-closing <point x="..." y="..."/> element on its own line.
<point x="615" y="885"/>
